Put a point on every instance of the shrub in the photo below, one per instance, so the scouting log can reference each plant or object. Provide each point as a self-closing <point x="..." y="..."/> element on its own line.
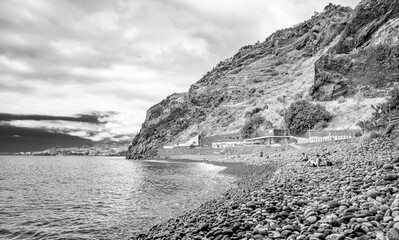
<point x="320" y="125"/>
<point x="253" y="112"/>
<point x="303" y="115"/>
<point x="251" y="126"/>
<point x="367" y="137"/>
<point x="383" y="113"/>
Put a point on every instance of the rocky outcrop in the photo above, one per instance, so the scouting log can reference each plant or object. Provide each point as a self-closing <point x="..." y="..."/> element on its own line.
<point x="163" y="122"/>
<point x="366" y="54"/>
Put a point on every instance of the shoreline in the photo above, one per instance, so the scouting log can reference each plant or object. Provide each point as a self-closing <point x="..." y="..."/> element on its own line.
<point x="356" y="198"/>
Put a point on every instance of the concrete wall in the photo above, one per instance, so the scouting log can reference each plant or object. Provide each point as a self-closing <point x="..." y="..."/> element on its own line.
<point x="207" y="141"/>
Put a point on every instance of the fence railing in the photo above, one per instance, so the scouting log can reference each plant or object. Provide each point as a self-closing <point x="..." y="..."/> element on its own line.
<point x="316" y="136"/>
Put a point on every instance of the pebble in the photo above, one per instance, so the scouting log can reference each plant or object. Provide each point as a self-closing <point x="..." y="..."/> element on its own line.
<point x="393" y="234"/>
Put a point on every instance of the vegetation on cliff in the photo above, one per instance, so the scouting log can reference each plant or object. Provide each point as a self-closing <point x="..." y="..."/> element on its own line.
<point x="303" y="115"/>
<point x="383" y="114"/>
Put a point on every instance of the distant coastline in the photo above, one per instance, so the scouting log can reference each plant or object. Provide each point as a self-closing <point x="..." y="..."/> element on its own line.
<point x="75" y="151"/>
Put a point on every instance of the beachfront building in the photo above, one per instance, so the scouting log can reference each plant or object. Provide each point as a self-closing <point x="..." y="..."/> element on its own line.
<point x="268" y="137"/>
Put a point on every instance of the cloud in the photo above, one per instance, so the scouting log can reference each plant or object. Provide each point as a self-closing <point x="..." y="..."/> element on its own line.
<point x="63" y="58"/>
<point x="95" y="126"/>
<point x="87" y="118"/>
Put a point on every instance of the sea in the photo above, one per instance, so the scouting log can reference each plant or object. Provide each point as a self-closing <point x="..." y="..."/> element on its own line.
<point x="76" y="197"/>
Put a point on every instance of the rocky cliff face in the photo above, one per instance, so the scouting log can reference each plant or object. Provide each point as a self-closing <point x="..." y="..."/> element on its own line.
<point x="315" y="55"/>
<point x="367" y="52"/>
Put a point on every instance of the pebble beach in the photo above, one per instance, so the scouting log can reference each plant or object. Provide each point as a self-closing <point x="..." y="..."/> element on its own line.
<point x="279" y="198"/>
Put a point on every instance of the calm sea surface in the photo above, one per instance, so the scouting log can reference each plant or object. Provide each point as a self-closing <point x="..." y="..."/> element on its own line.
<point x="98" y="197"/>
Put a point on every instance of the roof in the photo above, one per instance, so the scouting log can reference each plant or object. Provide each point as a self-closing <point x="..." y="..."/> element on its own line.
<point x="266" y="137"/>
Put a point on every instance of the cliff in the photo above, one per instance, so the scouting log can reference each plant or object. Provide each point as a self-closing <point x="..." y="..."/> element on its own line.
<point x="367" y="52"/>
<point x="308" y="60"/>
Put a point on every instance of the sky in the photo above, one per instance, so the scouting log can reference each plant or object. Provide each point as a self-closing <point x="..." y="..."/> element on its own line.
<point x="107" y="62"/>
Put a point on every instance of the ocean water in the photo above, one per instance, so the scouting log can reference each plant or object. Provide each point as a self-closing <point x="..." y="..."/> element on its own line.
<point x="98" y="197"/>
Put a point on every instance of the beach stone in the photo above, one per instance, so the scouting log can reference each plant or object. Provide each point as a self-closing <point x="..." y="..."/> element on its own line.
<point x="388" y="219"/>
<point x="393" y="234"/>
<point x="228" y="232"/>
<point x="314" y="238"/>
<point x="324" y="197"/>
<point x="276" y="234"/>
<point x="388" y="166"/>
<point x="380" y="235"/>
<point x="261" y="229"/>
<point x="364" y="237"/>
<point x="236" y="226"/>
<point x="257" y="236"/>
<point x="285" y="233"/>
<point x="251" y="205"/>
<point x="162" y="235"/>
<point x="396" y="225"/>
<point x="365" y="228"/>
<point x="288" y="227"/>
<point x="372" y="193"/>
<point x="391" y="177"/>
<point x="203" y="227"/>
<point x="311" y="219"/>
<point x="384" y="208"/>
<point x="333" y="204"/>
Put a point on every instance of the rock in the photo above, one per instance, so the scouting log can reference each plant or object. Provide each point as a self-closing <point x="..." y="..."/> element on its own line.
<point x="335" y="237"/>
<point x="311" y="219"/>
<point x="364" y="237"/>
<point x="393" y="234"/>
<point x="324" y="197"/>
<point x="388" y="166"/>
<point x="286" y="233"/>
<point x="236" y="226"/>
<point x="203" y="227"/>
<point x="380" y="236"/>
<point x="261" y="229"/>
<point x="161" y="235"/>
<point x="372" y="193"/>
<point x="391" y="177"/>
<point x="288" y="227"/>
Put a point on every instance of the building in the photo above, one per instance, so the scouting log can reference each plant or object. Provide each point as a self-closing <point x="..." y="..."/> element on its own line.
<point x="192" y="142"/>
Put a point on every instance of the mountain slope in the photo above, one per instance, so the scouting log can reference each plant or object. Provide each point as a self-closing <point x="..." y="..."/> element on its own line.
<point x="265" y="77"/>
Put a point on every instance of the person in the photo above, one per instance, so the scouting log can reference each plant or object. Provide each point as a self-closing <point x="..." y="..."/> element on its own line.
<point x="304" y="157"/>
<point x="261" y="154"/>
<point x="326" y="159"/>
<point x="314" y="163"/>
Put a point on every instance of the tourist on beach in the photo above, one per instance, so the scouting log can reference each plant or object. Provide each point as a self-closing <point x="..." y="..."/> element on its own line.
<point x="314" y="163"/>
<point x="304" y="157"/>
<point x="325" y="158"/>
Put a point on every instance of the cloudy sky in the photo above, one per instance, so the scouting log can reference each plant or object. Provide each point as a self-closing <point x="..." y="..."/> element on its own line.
<point x="108" y="61"/>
